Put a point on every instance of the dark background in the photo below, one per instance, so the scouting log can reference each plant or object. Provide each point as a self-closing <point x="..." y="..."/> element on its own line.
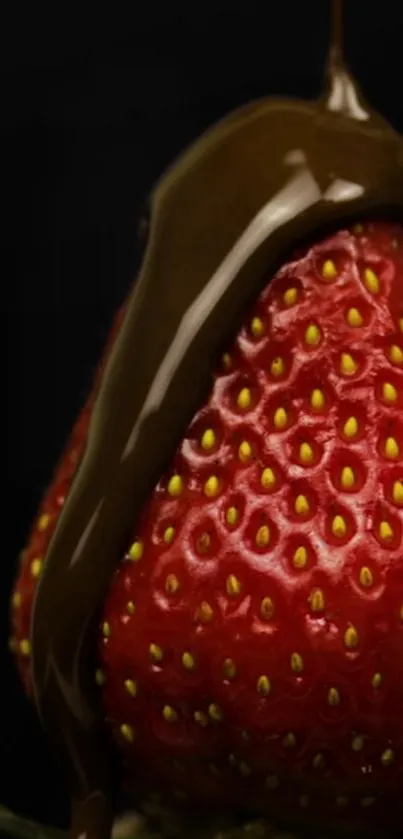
<point x="92" y="111"/>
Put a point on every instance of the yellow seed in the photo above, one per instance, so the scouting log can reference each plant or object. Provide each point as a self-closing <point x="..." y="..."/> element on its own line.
<point x="229" y="669"/>
<point x="245" y="451"/>
<point x="43" y="522"/>
<point x="351" y="637"/>
<point x="203" y="543"/>
<point x="257" y="327"/>
<point x="204" y="612"/>
<point x="301" y="505"/>
<point x="366" y="577"/>
<point x="215" y="712"/>
<point x="25" y="647"/>
<point x="200" y="718"/>
<point x="371" y="281"/>
<point x="277" y="367"/>
<point x="188" y="661"/>
<point x="100" y="677"/>
<point x="297" y="663"/>
<point x="385" y="531"/>
<point x="350" y="427"/>
<point x="127" y="732"/>
<point x="312" y="335"/>
<point x="36" y="567"/>
<point x="263" y="685"/>
<point x="376" y="680"/>
<point x="169" y="534"/>
<point x="244" y="769"/>
<point x="233" y="586"/>
<point x="232" y="515"/>
<point x="266" y="608"/>
<point x="348" y="366"/>
<point x="397" y="492"/>
<point x="347" y="477"/>
<point x="262" y="538"/>
<point x="329" y="270"/>
<point x="130" y="607"/>
<point x="354" y="317"/>
<point x="175" y="486"/>
<point x="290" y="296"/>
<point x="136" y="551"/>
<point x="357" y="743"/>
<point x="226" y="361"/>
<point x="306" y="453"/>
<point x="333" y="697"/>
<point x="289" y="741"/>
<point x="317" y="600"/>
<point x="244" y="399"/>
<point x="317" y="399"/>
<point x="401" y="613"/>
<point x="208" y="439"/>
<point x="396" y="354"/>
<point x="357" y="229"/>
<point x="156" y="653"/>
<point x="389" y="392"/>
<point x="130" y="687"/>
<point x="171" y="584"/>
<point x="392" y="448"/>
<point x="387" y="757"/>
<point x="300" y="557"/>
<point x="268" y="478"/>
<point x="212" y="487"/>
<point x="318" y="762"/>
<point x="280" y="418"/>
<point x="169" y="714"/>
<point x="16" y="600"/>
<point x="339" y="527"/>
<point x="400" y="324"/>
<point x="106" y="630"/>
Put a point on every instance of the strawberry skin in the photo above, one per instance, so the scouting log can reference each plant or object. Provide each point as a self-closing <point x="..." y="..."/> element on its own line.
<point x="251" y="643"/>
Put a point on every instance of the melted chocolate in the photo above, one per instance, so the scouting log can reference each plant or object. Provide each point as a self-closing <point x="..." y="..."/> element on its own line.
<point x="270" y="174"/>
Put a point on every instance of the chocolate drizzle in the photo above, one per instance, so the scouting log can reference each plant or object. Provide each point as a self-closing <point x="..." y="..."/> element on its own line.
<point x="270" y="174"/>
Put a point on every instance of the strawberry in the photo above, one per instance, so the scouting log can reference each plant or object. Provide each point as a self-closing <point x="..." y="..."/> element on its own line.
<point x="250" y="648"/>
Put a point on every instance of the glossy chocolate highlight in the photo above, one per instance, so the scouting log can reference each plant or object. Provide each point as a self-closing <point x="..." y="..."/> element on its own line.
<point x="273" y="173"/>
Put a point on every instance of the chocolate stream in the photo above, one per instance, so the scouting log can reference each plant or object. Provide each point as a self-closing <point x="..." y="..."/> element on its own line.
<point x="223" y="218"/>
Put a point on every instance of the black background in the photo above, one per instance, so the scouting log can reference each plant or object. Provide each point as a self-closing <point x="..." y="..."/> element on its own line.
<point x="93" y="109"/>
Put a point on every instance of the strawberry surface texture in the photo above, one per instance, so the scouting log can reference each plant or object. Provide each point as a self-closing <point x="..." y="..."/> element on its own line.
<point x="250" y="647"/>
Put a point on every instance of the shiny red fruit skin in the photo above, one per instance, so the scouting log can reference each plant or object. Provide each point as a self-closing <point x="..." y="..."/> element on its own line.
<point x="256" y="656"/>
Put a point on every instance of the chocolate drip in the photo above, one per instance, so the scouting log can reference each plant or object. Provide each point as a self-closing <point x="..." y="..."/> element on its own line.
<point x="224" y="217"/>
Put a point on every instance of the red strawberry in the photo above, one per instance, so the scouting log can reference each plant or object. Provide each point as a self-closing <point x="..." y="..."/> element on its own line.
<point x="251" y="644"/>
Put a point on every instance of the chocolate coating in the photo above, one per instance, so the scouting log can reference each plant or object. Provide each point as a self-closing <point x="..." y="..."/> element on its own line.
<point x="272" y="173"/>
